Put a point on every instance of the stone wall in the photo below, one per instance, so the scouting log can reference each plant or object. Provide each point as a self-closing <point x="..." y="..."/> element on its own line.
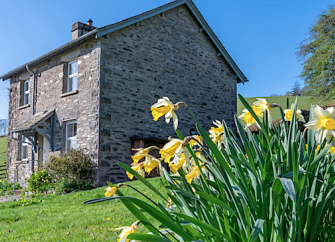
<point x="82" y="106"/>
<point x="162" y="56"/>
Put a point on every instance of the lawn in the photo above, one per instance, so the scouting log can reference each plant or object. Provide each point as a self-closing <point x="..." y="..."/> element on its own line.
<point x="66" y="218"/>
<point x="304" y="102"/>
<point x="3" y="153"/>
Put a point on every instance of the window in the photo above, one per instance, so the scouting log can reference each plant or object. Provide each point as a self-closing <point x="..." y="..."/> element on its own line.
<point x="72" y="77"/>
<point x="24" y="148"/>
<point x="26" y="92"/>
<point x="70" y="136"/>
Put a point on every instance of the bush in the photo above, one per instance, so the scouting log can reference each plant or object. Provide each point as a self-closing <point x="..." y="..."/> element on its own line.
<point x="72" y="171"/>
<point x="40" y="181"/>
<point x="8" y="186"/>
<point x="274" y="185"/>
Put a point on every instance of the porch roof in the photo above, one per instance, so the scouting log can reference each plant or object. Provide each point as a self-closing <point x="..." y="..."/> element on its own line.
<point x="35" y="121"/>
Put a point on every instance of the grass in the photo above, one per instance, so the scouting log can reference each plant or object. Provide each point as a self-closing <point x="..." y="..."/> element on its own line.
<point x="304" y="102"/>
<point x="66" y="218"/>
<point x="3" y="153"/>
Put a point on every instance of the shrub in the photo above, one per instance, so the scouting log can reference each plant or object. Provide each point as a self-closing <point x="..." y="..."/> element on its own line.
<point x="40" y="181"/>
<point x="8" y="186"/>
<point x="276" y="185"/>
<point x="72" y="171"/>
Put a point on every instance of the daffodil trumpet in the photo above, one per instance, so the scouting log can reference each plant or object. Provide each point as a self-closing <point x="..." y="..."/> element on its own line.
<point x="165" y="107"/>
<point x="127" y="230"/>
<point x="323" y="123"/>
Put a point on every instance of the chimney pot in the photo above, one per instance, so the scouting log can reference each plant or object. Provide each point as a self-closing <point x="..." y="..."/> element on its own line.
<point x="79" y="29"/>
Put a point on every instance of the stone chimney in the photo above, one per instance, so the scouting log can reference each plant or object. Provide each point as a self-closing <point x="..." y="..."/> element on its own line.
<point x="79" y="28"/>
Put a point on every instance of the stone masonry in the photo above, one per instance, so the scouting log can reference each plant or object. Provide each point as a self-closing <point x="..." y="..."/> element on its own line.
<point x="120" y="76"/>
<point x="163" y="56"/>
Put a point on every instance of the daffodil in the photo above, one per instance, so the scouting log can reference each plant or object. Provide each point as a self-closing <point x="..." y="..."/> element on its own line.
<point x="289" y="113"/>
<point x="194" y="174"/>
<point x="141" y="152"/>
<point x="174" y="146"/>
<point x="332" y="150"/>
<point x="165" y="107"/>
<point x="138" y="168"/>
<point x="263" y="104"/>
<point x="110" y="191"/>
<point x="127" y="230"/>
<point x="177" y="162"/>
<point x="217" y="133"/>
<point x="323" y="123"/>
<point x="150" y="163"/>
<point x="169" y="203"/>
<point x="247" y="118"/>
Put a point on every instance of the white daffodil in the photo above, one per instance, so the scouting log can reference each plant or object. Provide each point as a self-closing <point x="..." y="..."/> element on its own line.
<point x="165" y="107"/>
<point x="289" y="112"/>
<point x="263" y="105"/>
<point x="217" y="133"/>
<point x="247" y="118"/>
<point x="323" y="123"/>
<point x="261" y="102"/>
<point x="127" y="230"/>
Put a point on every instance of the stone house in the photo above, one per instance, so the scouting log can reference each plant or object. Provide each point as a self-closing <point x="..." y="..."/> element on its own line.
<point x="95" y="92"/>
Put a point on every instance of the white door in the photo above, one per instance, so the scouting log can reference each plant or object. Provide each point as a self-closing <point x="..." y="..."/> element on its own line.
<point x="46" y="148"/>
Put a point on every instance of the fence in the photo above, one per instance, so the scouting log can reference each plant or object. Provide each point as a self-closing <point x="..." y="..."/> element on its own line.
<point x="3" y="171"/>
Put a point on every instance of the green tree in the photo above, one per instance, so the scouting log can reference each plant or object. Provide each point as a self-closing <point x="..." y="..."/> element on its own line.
<point x="317" y="52"/>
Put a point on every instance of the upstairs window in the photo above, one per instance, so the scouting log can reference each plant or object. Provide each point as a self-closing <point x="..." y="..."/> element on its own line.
<point x="24" y="148"/>
<point x="72" y="77"/>
<point x="26" y="92"/>
<point x="70" y="136"/>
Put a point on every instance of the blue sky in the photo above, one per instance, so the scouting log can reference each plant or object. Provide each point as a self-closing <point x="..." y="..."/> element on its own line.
<point x="262" y="36"/>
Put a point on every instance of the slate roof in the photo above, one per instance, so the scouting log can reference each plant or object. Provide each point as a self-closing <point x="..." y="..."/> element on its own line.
<point x="35" y="121"/>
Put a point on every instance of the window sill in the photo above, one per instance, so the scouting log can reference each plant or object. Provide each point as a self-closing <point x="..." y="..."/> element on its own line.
<point x="24" y="106"/>
<point x="69" y="93"/>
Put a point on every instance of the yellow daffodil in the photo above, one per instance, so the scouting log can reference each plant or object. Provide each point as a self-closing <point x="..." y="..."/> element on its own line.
<point x="150" y="163"/>
<point x="177" y="162"/>
<point x="217" y="133"/>
<point x="258" y="110"/>
<point x="248" y="118"/>
<point x="127" y="230"/>
<point x="323" y="123"/>
<point x="110" y="191"/>
<point x="194" y="174"/>
<point x="141" y="152"/>
<point x="174" y="146"/>
<point x="165" y="107"/>
<point x="332" y="150"/>
<point x="289" y="112"/>
<point x="194" y="139"/>
<point x="138" y="168"/>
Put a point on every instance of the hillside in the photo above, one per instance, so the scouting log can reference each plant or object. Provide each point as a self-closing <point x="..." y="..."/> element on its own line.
<point x="304" y="102"/>
<point x="3" y="153"/>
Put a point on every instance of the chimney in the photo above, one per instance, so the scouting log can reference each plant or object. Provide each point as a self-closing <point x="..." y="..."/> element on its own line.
<point x="79" y="28"/>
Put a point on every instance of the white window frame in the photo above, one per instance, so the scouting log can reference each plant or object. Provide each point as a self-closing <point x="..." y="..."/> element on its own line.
<point x="26" y="92"/>
<point x="72" y="138"/>
<point x="68" y="88"/>
<point x="24" y="145"/>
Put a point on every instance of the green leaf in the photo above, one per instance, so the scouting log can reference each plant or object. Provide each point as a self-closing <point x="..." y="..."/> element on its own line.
<point x="140" y="178"/>
<point x="256" y="230"/>
<point x="288" y="186"/>
<point x="147" y="237"/>
<point x="204" y="226"/>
